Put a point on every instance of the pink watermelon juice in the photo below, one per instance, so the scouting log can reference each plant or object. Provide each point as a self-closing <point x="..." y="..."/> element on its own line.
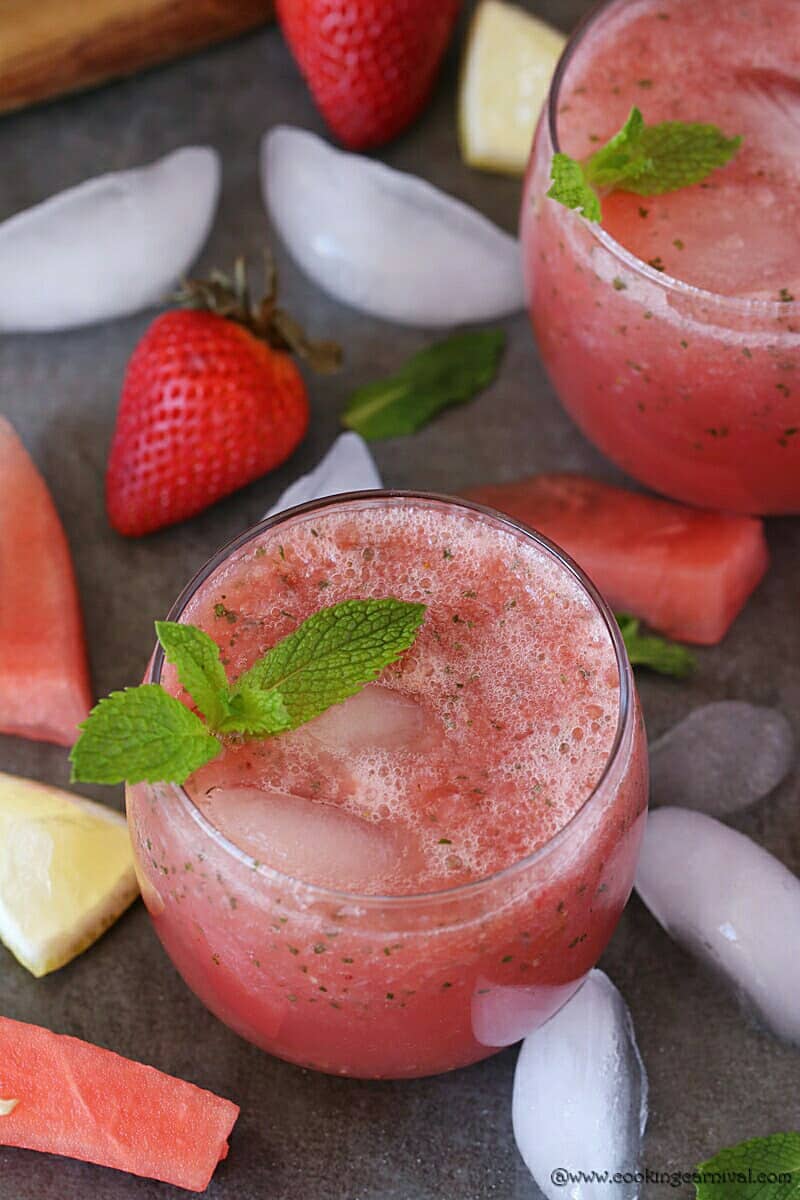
<point x="424" y="873"/>
<point x="672" y="333"/>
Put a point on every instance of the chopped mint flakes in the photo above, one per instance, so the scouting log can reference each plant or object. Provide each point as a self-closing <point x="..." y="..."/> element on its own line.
<point x="644" y="159"/>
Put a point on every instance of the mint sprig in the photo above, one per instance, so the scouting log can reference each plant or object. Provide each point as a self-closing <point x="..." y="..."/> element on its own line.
<point x="644" y="159"/>
<point x="657" y="653"/>
<point x="447" y="373"/>
<point x="144" y="734"/>
<point x="764" y="1168"/>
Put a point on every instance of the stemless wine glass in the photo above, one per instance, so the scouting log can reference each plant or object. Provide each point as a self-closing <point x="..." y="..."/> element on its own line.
<point x="391" y="986"/>
<point x="690" y="392"/>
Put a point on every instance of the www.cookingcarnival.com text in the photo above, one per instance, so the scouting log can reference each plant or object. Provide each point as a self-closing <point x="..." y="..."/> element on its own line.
<point x="564" y="1177"/>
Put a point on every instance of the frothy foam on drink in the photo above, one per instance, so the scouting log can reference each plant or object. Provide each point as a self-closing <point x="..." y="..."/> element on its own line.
<point x="737" y="66"/>
<point x="480" y="744"/>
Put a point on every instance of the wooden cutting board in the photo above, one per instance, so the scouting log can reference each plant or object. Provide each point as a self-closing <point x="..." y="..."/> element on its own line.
<point x="48" y="47"/>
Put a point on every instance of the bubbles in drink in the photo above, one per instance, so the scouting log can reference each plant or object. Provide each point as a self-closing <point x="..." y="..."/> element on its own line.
<point x="712" y="62"/>
<point x="470" y="752"/>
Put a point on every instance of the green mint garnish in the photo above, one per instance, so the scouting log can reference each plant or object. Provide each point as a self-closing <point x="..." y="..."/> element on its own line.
<point x="644" y="159"/>
<point x="334" y="653"/>
<point x="764" y="1168"/>
<point x="144" y="734"/>
<point x="447" y="373"/>
<point x="255" y="714"/>
<point x="657" y="653"/>
<point x="571" y="187"/>
<point x="195" y="657"/>
<point x="141" y="735"/>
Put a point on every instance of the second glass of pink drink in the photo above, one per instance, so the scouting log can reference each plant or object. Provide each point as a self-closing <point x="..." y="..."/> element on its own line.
<point x="426" y="872"/>
<point x="672" y="332"/>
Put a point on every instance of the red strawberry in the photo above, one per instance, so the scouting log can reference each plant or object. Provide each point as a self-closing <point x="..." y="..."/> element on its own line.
<point x="209" y="403"/>
<point x="370" y="64"/>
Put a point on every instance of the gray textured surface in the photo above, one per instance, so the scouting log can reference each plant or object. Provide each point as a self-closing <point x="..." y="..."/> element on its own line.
<point x="713" y="1079"/>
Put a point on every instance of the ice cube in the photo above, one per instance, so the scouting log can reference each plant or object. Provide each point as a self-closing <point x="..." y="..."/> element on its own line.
<point x="347" y="467"/>
<point x="502" y="1015"/>
<point x="377" y="718"/>
<point x="731" y="903"/>
<point x="309" y="840"/>
<point x="721" y="758"/>
<point x="110" y="246"/>
<point x="580" y="1097"/>
<point x="338" y="215"/>
<point x="769" y="101"/>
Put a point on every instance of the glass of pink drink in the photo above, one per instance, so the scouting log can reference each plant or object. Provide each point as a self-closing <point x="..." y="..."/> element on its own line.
<point x="424" y="873"/>
<point x="672" y="332"/>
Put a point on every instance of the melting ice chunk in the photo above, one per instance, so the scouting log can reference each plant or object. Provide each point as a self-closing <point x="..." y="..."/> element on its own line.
<point x="338" y="215"/>
<point x="502" y="1015"/>
<point x="347" y="467"/>
<point x="580" y="1096"/>
<point x="109" y="247"/>
<point x="377" y="718"/>
<point x="730" y="902"/>
<point x="721" y="758"/>
<point x="316" y="842"/>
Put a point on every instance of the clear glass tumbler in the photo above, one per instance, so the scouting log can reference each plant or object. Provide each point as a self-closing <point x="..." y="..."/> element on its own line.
<point x="399" y="985"/>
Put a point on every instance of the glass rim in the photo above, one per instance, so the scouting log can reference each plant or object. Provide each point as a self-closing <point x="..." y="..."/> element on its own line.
<point x="460" y="890"/>
<point x="737" y="304"/>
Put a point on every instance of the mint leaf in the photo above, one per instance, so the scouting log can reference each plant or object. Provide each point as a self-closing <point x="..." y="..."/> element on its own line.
<point x="195" y="657"/>
<point x="447" y="373"/>
<point x="571" y="187"/>
<point x="657" y="653"/>
<point x="680" y="154"/>
<point x="333" y="654"/>
<point x="141" y="735"/>
<point x="622" y="157"/>
<point x="255" y="713"/>
<point x="644" y="159"/>
<point x="765" y="1168"/>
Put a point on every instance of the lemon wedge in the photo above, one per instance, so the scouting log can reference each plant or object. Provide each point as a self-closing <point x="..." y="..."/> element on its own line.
<point x="66" y="872"/>
<point x="506" y="73"/>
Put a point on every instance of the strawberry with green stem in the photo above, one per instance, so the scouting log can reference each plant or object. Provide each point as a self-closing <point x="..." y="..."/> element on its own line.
<point x="212" y="399"/>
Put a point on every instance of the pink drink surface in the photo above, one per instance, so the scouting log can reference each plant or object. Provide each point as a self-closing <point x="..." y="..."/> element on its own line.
<point x="692" y="392"/>
<point x="737" y="66"/>
<point x="477" y="747"/>
<point x="474" y="751"/>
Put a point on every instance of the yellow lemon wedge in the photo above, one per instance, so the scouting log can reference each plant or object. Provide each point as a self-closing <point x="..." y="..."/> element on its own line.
<point x="66" y="872"/>
<point x="506" y="73"/>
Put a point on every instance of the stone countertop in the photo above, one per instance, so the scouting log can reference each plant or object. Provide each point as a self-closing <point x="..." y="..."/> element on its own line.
<point x="714" y="1079"/>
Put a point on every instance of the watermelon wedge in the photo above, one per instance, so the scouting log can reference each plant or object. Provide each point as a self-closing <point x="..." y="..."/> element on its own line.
<point x="65" y="1096"/>
<point x="685" y="571"/>
<point x="44" y="674"/>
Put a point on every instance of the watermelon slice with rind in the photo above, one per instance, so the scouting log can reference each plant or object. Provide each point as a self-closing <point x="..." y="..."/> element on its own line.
<point x="64" y="1096"/>
<point x="44" y="676"/>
